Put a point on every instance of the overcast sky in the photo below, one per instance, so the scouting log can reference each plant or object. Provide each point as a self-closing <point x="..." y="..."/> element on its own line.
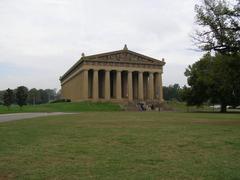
<point x="41" y="39"/>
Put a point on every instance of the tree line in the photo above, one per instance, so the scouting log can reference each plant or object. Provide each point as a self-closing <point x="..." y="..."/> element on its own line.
<point x="173" y="93"/>
<point x="23" y="96"/>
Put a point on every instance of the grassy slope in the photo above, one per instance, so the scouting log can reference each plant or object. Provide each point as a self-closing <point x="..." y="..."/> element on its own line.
<point x="122" y="145"/>
<point x="63" y="107"/>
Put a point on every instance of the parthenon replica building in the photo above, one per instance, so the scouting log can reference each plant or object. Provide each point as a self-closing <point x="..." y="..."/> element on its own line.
<point x="116" y="76"/>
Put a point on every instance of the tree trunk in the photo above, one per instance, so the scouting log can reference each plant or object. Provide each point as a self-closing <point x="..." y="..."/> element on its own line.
<point x="223" y="108"/>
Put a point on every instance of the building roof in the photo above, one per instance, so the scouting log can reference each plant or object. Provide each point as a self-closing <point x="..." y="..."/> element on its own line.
<point x="103" y="57"/>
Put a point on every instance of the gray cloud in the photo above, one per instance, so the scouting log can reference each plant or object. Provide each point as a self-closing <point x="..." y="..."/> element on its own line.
<point x="46" y="37"/>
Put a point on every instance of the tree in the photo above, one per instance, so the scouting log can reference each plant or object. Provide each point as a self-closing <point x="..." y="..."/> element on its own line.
<point x="214" y="79"/>
<point x="8" y="98"/>
<point x="172" y="92"/>
<point x="33" y="96"/>
<point x="44" y="97"/>
<point x="1" y="95"/>
<point x="58" y="94"/>
<point x="21" y="96"/>
<point x="41" y="96"/>
<point x="51" y="94"/>
<point x="219" y="23"/>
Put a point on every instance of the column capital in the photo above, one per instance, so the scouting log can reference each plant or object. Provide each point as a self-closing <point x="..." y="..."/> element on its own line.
<point x="159" y="72"/>
<point x="119" y="70"/>
<point x="95" y="70"/>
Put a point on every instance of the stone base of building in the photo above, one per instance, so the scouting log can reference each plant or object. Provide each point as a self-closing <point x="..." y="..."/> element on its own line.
<point x="121" y="100"/>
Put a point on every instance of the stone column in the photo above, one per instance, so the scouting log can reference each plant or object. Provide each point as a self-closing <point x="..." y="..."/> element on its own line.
<point x="107" y="85"/>
<point x="85" y="84"/>
<point x="151" y="86"/>
<point x="95" y="85"/>
<point x="119" y="86"/>
<point x="140" y="85"/>
<point x="155" y="93"/>
<point x="130" y="86"/>
<point x="159" y="86"/>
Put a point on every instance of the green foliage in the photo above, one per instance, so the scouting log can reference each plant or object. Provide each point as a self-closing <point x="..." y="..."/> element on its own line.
<point x="219" y="23"/>
<point x="122" y="145"/>
<point x="41" y="96"/>
<point x="21" y="95"/>
<point x="172" y="92"/>
<point x="214" y="79"/>
<point x="1" y="95"/>
<point x="35" y="96"/>
<point x="60" y="101"/>
<point x="8" y="98"/>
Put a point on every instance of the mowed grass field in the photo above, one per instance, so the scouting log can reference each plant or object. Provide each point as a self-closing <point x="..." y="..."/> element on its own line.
<point x="62" y="107"/>
<point x="122" y="145"/>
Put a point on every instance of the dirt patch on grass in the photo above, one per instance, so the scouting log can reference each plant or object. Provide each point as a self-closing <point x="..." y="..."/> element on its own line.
<point x="5" y="177"/>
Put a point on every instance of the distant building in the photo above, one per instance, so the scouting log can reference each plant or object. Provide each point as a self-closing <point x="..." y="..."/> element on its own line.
<point x="121" y="75"/>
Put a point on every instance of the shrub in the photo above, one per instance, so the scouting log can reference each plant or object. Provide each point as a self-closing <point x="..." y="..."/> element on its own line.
<point x="60" y="100"/>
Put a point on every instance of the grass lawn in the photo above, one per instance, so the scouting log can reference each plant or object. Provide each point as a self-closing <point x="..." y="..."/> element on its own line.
<point x="62" y="107"/>
<point x="122" y="145"/>
<point x="182" y="107"/>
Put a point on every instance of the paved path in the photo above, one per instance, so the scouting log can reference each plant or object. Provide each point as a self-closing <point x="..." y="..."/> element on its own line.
<point x="20" y="116"/>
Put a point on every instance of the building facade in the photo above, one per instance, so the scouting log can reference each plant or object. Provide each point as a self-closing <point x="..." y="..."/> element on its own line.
<point x="114" y="76"/>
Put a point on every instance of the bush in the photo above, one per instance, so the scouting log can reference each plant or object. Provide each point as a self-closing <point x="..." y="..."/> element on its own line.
<point x="1" y="103"/>
<point x="60" y="101"/>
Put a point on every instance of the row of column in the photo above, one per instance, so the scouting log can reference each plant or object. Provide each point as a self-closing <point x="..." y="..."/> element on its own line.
<point x="151" y="90"/>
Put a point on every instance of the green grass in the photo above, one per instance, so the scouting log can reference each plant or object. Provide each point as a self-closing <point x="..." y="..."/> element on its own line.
<point x="63" y="107"/>
<point x="182" y="107"/>
<point x="122" y="145"/>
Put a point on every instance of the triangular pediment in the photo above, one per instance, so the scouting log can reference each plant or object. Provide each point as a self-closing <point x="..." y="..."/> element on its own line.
<point x="124" y="56"/>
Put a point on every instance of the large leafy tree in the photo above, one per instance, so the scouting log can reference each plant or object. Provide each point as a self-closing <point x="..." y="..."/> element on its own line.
<point x="8" y="98"/>
<point x="21" y="95"/>
<point x="219" y="23"/>
<point x="214" y="79"/>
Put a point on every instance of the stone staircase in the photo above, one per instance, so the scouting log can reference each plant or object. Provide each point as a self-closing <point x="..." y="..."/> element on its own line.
<point x="143" y="106"/>
<point x="130" y="106"/>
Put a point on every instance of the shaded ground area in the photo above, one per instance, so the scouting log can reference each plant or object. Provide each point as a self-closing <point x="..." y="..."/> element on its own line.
<point x="20" y="116"/>
<point x="122" y="145"/>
